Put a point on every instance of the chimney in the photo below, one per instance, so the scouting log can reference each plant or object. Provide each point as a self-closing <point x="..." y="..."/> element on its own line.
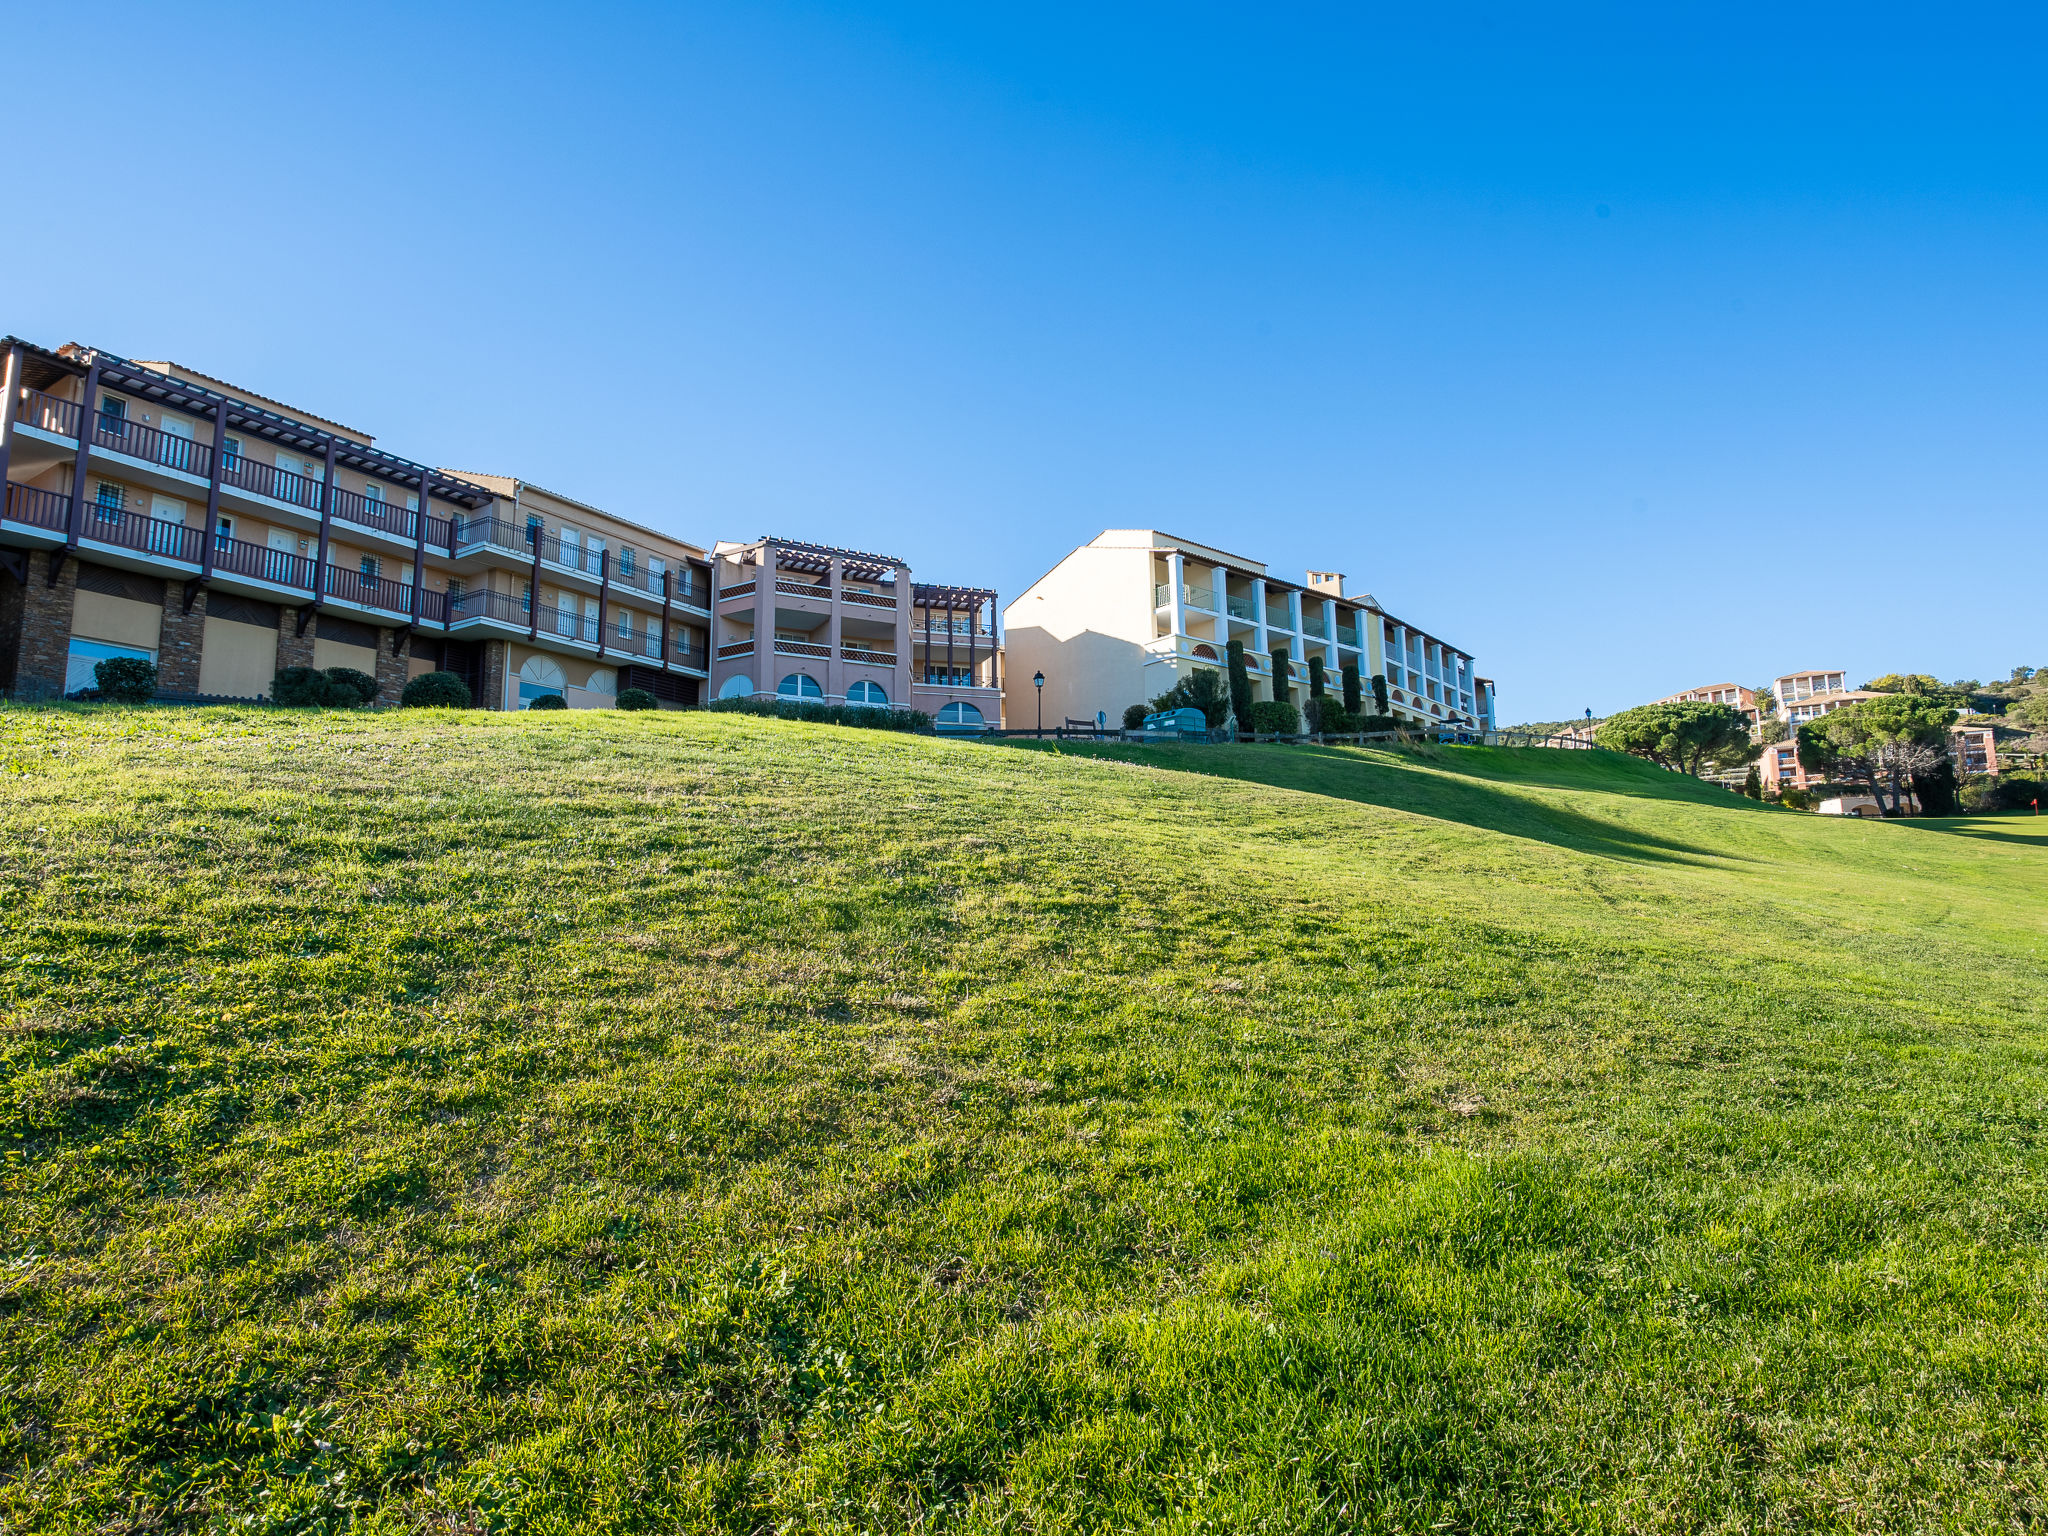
<point x="1329" y="583"/>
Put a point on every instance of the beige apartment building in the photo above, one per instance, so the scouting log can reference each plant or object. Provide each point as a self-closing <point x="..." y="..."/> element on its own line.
<point x="809" y="621"/>
<point x="1124" y="617"/>
<point x="157" y="512"/>
<point x="1732" y="694"/>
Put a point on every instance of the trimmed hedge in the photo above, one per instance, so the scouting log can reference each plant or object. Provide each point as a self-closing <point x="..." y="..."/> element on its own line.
<point x="1134" y="716"/>
<point x="125" y="679"/>
<point x="637" y="698"/>
<point x="549" y="701"/>
<point x="310" y="688"/>
<point x="1273" y="717"/>
<point x="867" y="716"/>
<point x="436" y="690"/>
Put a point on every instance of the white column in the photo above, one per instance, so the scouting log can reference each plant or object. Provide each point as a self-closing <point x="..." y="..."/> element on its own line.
<point x="1219" y="583"/>
<point x="1295" y="645"/>
<point x="1176" y="587"/>
<point x="767" y="667"/>
<point x="1260" y="642"/>
<point x="906" y="676"/>
<point x="835" y="664"/>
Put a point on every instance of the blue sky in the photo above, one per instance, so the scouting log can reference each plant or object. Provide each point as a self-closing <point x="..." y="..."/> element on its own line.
<point x="1629" y="347"/>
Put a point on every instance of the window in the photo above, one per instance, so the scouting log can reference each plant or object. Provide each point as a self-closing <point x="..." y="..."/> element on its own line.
<point x="84" y="655"/>
<point x="533" y="529"/>
<point x="800" y="685"/>
<point x="110" y="498"/>
<point x="625" y="562"/>
<point x="526" y="598"/>
<point x="113" y="416"/>
<point x="737" y="686"/>
<point x="625" y="623"/>
<point x="231" y="453"/>
<point x="370" y="567"/>
<point x="454" y="591"/>
<point x="959" y="717"/>
<point x="540" y="677"/>
<point x="224" y="533"/>
<point x="866" y="693"/>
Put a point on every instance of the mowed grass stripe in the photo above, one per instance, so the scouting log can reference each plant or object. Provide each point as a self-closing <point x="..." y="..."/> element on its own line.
<point x="685" y="1122"/>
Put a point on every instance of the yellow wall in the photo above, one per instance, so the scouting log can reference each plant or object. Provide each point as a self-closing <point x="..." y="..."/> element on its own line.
<point x="117" y="620"/>
<point x="332" y="653"/>
<point x="239" y="660"/>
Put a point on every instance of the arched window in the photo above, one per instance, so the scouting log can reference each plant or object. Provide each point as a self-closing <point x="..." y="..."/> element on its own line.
<point x="959" y="717"/>
<point x="800" y="685"/>
<point x="537" y="677"/>
<point x="738" y="686"/>
<point x="866" y="693"/>
<point x="602" y="680"/>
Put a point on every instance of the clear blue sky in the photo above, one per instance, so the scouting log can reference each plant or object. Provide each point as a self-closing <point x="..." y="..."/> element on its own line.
<point x="1630" y="347"/>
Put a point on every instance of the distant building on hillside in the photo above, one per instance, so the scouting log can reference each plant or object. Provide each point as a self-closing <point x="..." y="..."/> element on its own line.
<point x="1124" y="617"/>
<point x="1732" y="694"/>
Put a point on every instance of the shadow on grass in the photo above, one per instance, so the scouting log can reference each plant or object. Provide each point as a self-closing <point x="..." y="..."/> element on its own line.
<point x="1464" y="791"/>
<point x="1976" y="830"/>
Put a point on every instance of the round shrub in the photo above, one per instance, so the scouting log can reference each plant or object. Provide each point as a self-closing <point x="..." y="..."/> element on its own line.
<point x="549" y="701"/>
<point x="436" y="690"/>
<point x="126" y="679"/>
<point x="637" y="698"/>
<point x="299" y="687"/>
<point x="1276" y="717"/>
<point x="1134" y="716"/>
<point x="347" y="688"/>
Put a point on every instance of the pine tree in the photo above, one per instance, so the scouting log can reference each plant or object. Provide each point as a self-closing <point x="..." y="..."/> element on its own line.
<point x="1240" y="686"/>
<point x="1379" y="694"/>
<point x="1354" y="699"/>
<point x="1283" y="692"/>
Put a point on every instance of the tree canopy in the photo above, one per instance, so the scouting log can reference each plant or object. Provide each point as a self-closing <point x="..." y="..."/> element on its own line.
<point x="1683" y="735"/>
<point x="1204" y="689"/>
<point x="1881" y="744"/>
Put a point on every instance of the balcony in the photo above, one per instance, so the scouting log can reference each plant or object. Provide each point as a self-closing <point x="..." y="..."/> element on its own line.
<point x="802" y="648"/>
<point x="268" y="480"/>
<point x="1193" y="597"/>
<point x="509" y="608"/>
<point x="145" y="535"/>
<point x="861" y="655"/>
<point x="117" y="434"/>
<point x="866" y="599"/>
<point x="1350" y="636"/>
<point x="374" y="512"/>
<point x="47" y="413"/>
<point x="257" y="562"/>
<point x="35" y="508"/>
<point x="737" y="589"/>
<point x="733" y="650"/>
<point x="816" y="591"/>
<point x="379" y="592"/>
<point x="471" y="534"/>
<point x="1242" y="608"/>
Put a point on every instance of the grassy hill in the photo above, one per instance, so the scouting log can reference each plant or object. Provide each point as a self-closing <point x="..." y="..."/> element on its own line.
<point x="600" y="1121"/>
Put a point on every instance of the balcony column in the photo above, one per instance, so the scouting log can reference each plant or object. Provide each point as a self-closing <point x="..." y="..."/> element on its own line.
<point x="667" y="592"/>
<point x="419" y="541"/>
<point x="604" y="593"/>
<point x="1330" y="653"/>
<point x="321" y="550"/>
<point x="10" y="394"/>
<point x="973" y="623"/>
<point x="1219" y="584"/>
<point x="1176" y="590"/>
<point x="533" y="584"/>
<point x="75" y="519"/>
<point x="835" y="664"/>
<point x="764" y="621"/>
<point x="905" y="676"/>
<point x="1260" y="643"/>
<point x="1297" y="647"/>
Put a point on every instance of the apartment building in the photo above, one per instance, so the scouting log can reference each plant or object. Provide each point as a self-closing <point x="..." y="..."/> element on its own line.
<point x="1125" y="616"/>
<point x="1732" y="694"/>
<point x="157" y="512"/>
<point x="844" y="626"/>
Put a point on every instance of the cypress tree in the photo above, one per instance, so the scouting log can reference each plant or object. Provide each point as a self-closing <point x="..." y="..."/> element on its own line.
<point x="1240" y="686"/>
<point x="1315" y="677"/>
<point x="1379" y="694"/>
<point x="1353" y="699"/>
<point x="1282" y="692"/>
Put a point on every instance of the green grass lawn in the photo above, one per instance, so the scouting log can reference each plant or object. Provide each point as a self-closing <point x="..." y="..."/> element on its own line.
<point x="438" y="1122"/>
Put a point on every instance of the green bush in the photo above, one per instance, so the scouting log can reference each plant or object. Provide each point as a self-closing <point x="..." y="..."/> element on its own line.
<point x="872" y="717"/>
<point x="549" y="701"/>
<point x="1380" y="704"/>
<point x="1240" y="684"/>
<point x="1134" y="716"/>
<point x="1985" y="796"/>
<point x="436" y="690"/>
<point x="1796" y="799"/>
<point x="126" y="679"/>
<point x="637" y="698"/>
<point x="310" y="688"/>
<point x="1275" y="717"/>
<point x="1354" y="696"/>
<point x="1323" y="713"/>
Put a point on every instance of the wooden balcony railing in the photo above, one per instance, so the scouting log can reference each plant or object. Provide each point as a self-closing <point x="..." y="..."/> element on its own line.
<point x="817" y="591"/>
<point x="38" y="508"/>
<point x="862" y="654"/>
<point x="802" y="648"/>
<point x="150" y="535"/>
<point x="492" y="533"/>
<point x="737" y="589"/>
<point x="482" y="603"/>
<point x="116" y="434"/>
<point x="373" y="512"/>
<point x="378" y="592"/>
<point x="281" y="567"/>
<point x="268" y="480"/>
<point x="47" y="413"/>
<point x="735" y="649"/>
<point x="867" y="599"/>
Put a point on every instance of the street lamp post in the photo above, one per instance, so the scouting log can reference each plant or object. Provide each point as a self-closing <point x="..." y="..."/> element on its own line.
<point x="1038" y="682"/>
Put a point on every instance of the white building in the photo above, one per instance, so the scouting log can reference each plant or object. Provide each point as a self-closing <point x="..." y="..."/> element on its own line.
<point x="1121" y="619"/>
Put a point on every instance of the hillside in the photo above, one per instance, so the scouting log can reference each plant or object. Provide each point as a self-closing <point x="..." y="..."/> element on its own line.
<point x="610" y="1121"/>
